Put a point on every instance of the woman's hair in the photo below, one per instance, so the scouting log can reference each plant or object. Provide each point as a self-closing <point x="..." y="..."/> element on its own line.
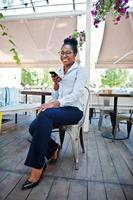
<point x="73" y="43"/>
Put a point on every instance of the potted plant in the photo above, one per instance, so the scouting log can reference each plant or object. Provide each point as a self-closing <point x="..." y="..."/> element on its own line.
<point x="79" y="36"/>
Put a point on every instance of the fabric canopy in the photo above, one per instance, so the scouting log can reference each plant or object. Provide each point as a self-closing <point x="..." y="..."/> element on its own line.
<point x="38" y="41"/>
<point x="117" y="45"/>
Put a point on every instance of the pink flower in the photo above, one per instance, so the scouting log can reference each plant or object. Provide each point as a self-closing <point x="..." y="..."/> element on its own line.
<point x="118" y="18"/>
<point x="117" y="8"/>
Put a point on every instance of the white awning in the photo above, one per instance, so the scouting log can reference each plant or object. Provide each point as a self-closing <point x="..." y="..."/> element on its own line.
<point x="38" y="40"/>
<point x="117" y="45"/>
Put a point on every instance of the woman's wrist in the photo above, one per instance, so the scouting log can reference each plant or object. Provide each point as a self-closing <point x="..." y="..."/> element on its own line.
<point x="56" y="86"/>
<point x="56" y="103"/>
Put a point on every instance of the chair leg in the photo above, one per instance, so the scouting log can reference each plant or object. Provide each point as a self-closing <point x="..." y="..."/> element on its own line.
<point x="91" y="114"/>
<point x="81" y="140"/>
<point x="100" y="121"/>
<point x="61" y="136"/>
<point x="1" y="115"/>
<point x="75" y="153"/>
<point x="16" y="118"/>
<point x="129" y="126"/>
<point x="75" y="144"/>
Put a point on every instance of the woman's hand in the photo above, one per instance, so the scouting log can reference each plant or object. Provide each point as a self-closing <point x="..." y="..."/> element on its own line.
<point x="54" y="104"/>
<point x="56" y="81"/>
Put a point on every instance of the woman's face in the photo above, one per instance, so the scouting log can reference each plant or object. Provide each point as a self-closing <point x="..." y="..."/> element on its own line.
<point x="67" y="55"/>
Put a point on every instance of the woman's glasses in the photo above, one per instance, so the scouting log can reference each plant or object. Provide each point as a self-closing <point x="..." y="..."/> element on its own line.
<point x="67" y="53"/>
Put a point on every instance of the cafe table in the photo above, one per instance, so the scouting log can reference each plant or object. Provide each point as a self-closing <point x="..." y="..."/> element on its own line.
<point x="114" y="114"/>
<point x="41" y="93"/>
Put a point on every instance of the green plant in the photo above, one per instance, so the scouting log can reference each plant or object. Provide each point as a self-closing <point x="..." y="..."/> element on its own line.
<point x="4" y="33"/>
<point x="130" y="81"/>
<point x="117" y="9"/>
<point x="34" y="77"/>
<point x="114" y="78"/>
<point x="79" y="36"/>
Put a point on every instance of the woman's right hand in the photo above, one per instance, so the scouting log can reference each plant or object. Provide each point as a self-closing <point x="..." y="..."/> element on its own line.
<point x="56" y="81"/>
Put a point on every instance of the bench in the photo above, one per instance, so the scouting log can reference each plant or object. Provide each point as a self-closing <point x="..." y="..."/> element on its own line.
<point x="15" y="109"/>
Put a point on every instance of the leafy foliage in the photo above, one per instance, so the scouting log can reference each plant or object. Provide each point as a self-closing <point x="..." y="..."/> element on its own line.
<point x="114" y="78"/>
<point x="79" y="36"/>
<point x="33" y="77"/>
<point x="4" y="33"/>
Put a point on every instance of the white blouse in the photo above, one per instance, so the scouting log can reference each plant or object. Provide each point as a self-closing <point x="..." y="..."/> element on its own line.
<point x="71" y="87"/>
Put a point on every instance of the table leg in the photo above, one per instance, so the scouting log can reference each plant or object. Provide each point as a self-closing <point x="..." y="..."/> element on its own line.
<point x="42" y="99"/>
<point x="114" y="117"/>
<point x="26" y="99"/>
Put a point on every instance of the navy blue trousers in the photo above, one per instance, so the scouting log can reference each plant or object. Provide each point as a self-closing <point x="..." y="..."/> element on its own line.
<point x="42" y="144"/>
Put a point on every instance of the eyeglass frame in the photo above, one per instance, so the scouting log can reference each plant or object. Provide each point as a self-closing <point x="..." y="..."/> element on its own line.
<point x="67" y="53"/>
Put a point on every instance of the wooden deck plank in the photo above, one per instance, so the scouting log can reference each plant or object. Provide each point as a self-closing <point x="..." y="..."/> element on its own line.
<point x="120" y="165"/>
<point x="108" y="170"/>
<point x="105" y="170"/>
<point x="42" y="192"/>
<point x="64" y="166"/>
<point x="8" y="184"/>
<point x="59" y="189"/>
<point x="78" y="190"/>
<point x="16" y="193"/>
<point x="94" y="167"/>
<point x="96" y="191"/>
<point x="114" y="191"/>
<point x="82" y="173"/>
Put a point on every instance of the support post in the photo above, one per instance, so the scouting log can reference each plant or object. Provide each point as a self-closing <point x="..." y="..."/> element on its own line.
<point x="87" y="55"/>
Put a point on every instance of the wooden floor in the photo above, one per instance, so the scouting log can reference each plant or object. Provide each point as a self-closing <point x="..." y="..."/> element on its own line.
<point x="105" y="171"/>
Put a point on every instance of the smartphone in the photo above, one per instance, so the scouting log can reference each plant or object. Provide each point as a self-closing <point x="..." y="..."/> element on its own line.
<point x="53" y="74"/>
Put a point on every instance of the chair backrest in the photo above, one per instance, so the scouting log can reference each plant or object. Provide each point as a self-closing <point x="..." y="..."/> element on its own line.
<point x="106" y="101"/>
<point x="2" y="96"/>
<point x="86" y="104"/>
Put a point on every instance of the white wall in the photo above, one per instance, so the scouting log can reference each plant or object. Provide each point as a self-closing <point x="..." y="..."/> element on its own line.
<point x="10" y="77"/>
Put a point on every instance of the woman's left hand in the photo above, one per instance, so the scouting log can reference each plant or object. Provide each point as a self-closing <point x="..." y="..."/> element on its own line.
<point x="44" y="106"/>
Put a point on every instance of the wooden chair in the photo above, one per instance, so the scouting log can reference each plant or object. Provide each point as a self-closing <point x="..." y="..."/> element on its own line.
<point x="75" y="132"/>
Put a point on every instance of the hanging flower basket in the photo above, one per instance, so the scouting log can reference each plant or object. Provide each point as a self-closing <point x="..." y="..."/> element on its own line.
<point x="79" y="36"/>
<point x="117" y="9"/>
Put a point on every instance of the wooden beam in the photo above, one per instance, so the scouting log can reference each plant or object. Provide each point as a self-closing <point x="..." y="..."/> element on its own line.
<point x="32" y="5"/>
<point x="45" y="15"/>
<point x="73" y="4"/>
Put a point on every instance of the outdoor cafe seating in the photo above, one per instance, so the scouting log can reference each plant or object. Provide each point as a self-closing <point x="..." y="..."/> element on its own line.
<point x="103" y="104"/>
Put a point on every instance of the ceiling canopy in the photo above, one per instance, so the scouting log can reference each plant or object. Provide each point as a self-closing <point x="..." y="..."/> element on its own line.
<point x="117" y="45"/>
<point x="38" y="40"/>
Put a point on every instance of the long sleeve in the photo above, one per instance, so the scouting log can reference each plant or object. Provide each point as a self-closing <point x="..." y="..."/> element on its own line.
<point x="55" y="94"/>
<point x="77" y="91"/>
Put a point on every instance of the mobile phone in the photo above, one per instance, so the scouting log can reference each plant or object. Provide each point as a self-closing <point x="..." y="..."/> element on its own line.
<point x="53" y="74"/>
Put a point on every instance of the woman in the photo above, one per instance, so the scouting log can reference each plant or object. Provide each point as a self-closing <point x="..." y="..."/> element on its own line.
<point x="67" y="108"/>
